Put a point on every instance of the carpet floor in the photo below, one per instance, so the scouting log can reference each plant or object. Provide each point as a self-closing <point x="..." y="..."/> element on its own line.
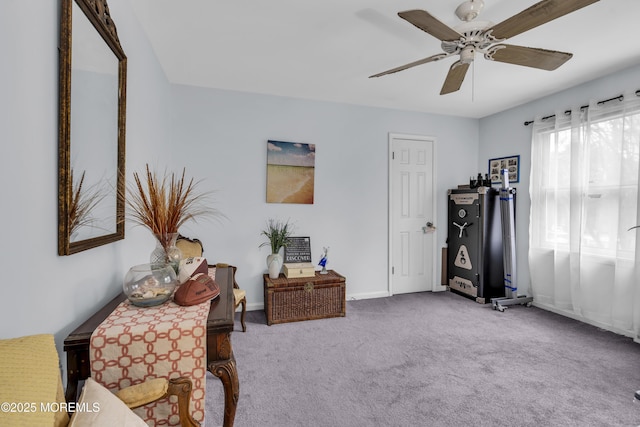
<point x="431" y="359"/>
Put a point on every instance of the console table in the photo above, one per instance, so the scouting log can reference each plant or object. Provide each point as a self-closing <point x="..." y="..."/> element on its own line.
<point x="220" y="359"/>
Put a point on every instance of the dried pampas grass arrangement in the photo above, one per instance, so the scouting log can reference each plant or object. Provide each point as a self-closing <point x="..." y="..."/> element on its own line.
<point x="83" y="202"/>
<point x="163" y="204"/>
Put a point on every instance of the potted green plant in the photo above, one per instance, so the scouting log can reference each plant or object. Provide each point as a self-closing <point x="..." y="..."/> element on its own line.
<point x="277" y="234"/>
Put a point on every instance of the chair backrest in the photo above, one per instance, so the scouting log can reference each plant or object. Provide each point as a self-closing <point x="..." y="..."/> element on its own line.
<point x="189" y="247"/>
<point x="233" y="268"/>
<point x="235" y="284"/>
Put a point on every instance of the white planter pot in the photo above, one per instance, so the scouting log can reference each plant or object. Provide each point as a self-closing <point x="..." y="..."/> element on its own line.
<point x="274" y="264"/>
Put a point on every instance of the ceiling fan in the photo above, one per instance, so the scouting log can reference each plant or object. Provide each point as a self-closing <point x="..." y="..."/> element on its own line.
<point x="473" y="37"/>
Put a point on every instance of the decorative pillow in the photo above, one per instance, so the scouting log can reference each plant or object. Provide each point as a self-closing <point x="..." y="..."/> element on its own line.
<point x="191" y="266"/>
<point x="98" y="407"/>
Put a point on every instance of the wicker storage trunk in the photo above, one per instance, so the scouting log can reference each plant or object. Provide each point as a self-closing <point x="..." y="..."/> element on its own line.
<point x="304" y="298"/>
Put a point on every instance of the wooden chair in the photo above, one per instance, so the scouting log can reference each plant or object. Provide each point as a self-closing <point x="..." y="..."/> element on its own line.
<point x="194" y="248"/>
<point x="29" y="372"/>
<point x="189" y="247"/>
<point x="150" y="391"/>
<point x="239" y="295"/>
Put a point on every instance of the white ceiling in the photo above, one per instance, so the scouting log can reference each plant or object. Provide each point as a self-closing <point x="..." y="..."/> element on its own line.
<point x="326" y="49"/>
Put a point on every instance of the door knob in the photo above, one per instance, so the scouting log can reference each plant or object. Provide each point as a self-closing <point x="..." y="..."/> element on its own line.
<point x="429" y="228"/>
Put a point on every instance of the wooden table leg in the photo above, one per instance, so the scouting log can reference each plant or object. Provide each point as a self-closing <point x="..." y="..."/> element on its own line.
<point x="228" y="374"/>
<point x="73" y="376"/>
<point x="78" y="370"/>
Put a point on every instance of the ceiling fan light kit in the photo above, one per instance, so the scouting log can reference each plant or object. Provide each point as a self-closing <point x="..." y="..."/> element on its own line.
<point x="467" y="54"/>
<point x="471" y="37"/>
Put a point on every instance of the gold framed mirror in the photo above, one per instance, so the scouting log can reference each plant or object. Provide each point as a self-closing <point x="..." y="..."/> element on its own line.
<point x="91" y="163"/>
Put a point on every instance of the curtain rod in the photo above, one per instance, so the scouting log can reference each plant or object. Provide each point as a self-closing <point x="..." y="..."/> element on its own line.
<point x="618" y="98"/>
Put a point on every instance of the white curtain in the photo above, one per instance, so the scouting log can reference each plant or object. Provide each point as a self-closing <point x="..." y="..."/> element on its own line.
<point x="584" y="261"/>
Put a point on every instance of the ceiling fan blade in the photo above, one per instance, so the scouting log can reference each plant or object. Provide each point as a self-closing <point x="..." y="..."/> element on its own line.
<point x="412" y="64"/>
<point x="454" y="78"/>
<point x="426" y="22"/>
<point x="528" y="56"/>
<point x="538" y="14"/>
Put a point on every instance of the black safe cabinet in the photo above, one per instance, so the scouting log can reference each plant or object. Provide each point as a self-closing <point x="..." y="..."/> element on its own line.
<point x="474" y="254"/>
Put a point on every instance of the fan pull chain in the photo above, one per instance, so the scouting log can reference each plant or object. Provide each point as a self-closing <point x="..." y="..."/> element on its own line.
<point x="473" y="81"/>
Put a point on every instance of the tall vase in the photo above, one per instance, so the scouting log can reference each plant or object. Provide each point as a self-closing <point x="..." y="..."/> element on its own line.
<point x="166" y="251"/>
<point x="274" y="264"/>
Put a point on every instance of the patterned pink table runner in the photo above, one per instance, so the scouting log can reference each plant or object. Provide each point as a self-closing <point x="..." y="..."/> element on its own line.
<point x="135" y="344"/>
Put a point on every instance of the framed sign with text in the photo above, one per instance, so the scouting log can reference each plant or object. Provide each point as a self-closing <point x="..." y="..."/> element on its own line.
<point x="298" y="250"/>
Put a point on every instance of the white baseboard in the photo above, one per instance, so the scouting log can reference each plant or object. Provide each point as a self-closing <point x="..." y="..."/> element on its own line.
<point x="580" y="318"/>
<point x="253" y="306"/>
<point x="367" y="295"/>
<point x="352" y="297"/>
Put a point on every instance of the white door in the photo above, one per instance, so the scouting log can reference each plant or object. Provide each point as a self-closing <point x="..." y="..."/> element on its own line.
<point x="412" y="214"/>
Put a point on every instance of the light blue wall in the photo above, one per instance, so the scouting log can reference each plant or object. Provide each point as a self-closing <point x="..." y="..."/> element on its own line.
<point x="223" y="136"/>
<point x="504" y="134"/>
<point x="42" y="292"/>
<point x="217" y="135"/>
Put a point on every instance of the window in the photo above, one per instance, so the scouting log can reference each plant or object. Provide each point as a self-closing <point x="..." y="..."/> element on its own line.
<point x="583" y="259"/>
<point x="590" y="183"/>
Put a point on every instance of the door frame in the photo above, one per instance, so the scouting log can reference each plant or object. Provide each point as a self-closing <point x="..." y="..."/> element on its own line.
<point x="435" y="283"/>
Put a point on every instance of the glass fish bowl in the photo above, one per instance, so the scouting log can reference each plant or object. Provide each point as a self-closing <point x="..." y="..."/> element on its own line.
<point x="147" y="285"/>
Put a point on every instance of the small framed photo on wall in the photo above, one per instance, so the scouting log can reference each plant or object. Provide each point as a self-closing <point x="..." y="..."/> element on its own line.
<point x="511" y="164"/>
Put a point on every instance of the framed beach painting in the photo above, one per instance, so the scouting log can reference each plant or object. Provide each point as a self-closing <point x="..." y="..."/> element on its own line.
<point x="290" y="172"/>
